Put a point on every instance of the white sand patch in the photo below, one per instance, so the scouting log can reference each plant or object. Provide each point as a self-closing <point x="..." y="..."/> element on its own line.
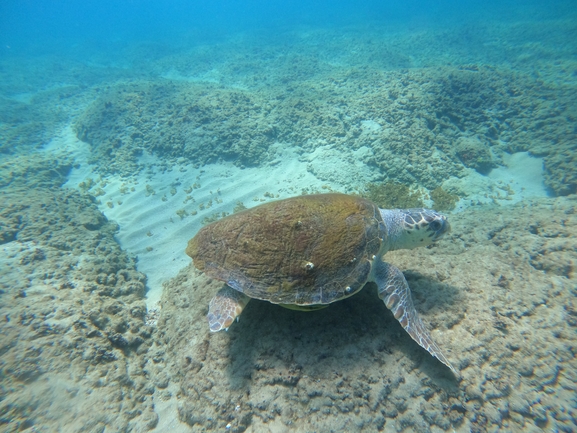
<point x="522" y="178"/>
<point x="347" y="169"/>
<point x="524" y="173"/>
<point x="66" y="142"/>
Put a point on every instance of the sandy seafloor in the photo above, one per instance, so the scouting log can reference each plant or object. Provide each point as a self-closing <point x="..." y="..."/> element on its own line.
<point x="110" y="165"/>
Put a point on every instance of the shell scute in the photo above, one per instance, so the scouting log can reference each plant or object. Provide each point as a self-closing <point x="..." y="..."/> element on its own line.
<point x="303" y="250"/>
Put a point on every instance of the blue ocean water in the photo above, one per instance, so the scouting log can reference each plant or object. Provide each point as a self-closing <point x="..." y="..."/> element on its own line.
<point x="127" y="126"/>
<point x="39" y="23"/>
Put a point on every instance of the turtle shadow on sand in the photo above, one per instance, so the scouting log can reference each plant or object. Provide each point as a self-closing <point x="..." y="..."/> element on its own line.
<point x="284" y="365"/>
<point x="354" y="337"/>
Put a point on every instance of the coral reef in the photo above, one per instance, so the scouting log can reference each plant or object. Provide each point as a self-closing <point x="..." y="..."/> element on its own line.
<point x="30" y="122"/>
<point x="409" y="109"/>
<point x="34" y="170"/>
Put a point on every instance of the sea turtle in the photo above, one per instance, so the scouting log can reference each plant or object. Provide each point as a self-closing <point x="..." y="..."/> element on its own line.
<point x="308" y="251"/>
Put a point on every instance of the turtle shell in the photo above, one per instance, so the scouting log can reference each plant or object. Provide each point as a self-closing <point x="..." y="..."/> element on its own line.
<point x="307" y="250"/>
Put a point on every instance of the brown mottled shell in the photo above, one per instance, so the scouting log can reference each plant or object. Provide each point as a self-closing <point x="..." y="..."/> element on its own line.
<point x="306" y="250"/>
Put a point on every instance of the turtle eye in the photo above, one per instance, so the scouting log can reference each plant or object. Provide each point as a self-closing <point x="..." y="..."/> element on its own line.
<point x="435" y="225"/>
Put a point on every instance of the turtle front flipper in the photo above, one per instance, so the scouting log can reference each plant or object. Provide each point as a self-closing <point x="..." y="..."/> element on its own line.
<point x="394" y="291"/>
<point x="226" y="305"/>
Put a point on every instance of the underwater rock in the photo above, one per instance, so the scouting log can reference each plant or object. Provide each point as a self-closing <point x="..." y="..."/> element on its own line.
<point x="202" y="123"/>
<point x="473" y="153"/>
<point x="57" y="313"/>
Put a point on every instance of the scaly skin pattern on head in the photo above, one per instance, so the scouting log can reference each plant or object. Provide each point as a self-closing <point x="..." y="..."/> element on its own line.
<point x="412" y="228"/>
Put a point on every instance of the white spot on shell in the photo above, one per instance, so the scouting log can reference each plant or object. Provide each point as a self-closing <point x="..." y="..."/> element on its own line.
<point x="309" y="266"/>
<point x="348" y="289"/>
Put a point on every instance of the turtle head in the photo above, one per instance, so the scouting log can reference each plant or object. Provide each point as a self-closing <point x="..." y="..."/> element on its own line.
<point x="412" y="228"/>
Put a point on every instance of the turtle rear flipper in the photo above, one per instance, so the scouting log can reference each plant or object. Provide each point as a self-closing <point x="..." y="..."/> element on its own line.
<point x="395" y="293"/>
<point x="226" y="305"/>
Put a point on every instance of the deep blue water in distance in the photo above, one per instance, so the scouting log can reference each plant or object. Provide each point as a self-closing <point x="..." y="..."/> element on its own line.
<point x="43" y="23"/>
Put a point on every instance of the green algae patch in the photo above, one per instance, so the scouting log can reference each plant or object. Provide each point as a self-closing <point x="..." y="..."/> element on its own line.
<point x="392" y="195"/>
<point x="443" y="200"/>
<point x="214" y="217"/>
<point x="239" y="207"/>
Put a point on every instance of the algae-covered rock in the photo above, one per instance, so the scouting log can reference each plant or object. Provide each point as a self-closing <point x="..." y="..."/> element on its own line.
<point x="443" y="200"/>
<point x="560" y="169"/>
<point x="34" y="170"/>
<point x="393" y="195"/>
<point x="73" y="309"/>
<point x="201" y="123"/>
<point x="473" y="153"/>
